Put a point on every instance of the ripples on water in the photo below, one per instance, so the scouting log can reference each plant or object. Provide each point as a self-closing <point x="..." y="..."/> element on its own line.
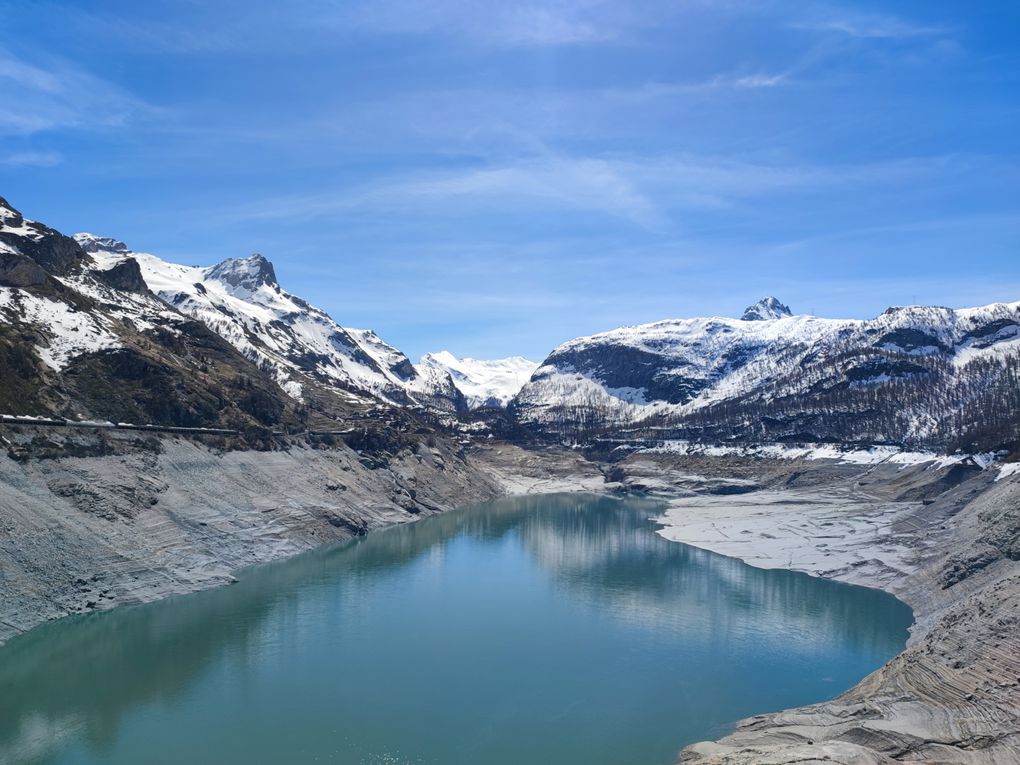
<point x="535" y="629"/>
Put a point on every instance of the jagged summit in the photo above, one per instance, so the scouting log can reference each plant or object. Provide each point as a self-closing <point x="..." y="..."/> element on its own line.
<point x="93" y="301"/>
<point x="241" y="273"/>
<point x="298" y="344"/>
<point x="245" y="273"/>
<point x="766" y="308"/>
<point x="57" y="254"/>
<point x="95" y="243"/>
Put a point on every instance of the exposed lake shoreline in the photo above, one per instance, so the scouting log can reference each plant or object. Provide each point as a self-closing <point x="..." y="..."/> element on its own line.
<point x="942" y="538"/>
<point x="539" y="628"/>
<point x="939" y="539"/>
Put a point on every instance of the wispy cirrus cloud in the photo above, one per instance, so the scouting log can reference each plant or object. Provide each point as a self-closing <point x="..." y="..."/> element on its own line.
<point x="648" y="192"/>
<point x="753" y="81"/>
<point x="551" y="183"/>
<point x="547" y="26"/>
<point x="591" y="184"/>
<point x="491" y="22"/>
<point x="876" y="27"/>
<point x="31" y="159"/>
<point x="40" y="96"/>
<point x="722" y="82"/>
<point x="493" y="122"/>
<point x="196" y="28"/>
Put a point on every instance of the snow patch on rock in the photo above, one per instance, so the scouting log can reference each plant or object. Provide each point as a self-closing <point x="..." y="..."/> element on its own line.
<point x="69" y="333"/>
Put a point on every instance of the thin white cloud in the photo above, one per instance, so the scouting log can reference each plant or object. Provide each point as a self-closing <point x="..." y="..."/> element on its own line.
<point x="490" y="122"/>
<point x="486" y="22"/>
<point x="35" y="97"/>
<point x="655" y="91"/>
<point x="31" y="159"/>
<point x="871" y="27"/>
<point x="925" y="226"/>
<point x="550" y="183"/>
<point x="201" y="28"/>
<point x="759" y="81"/>
<point x="545" y="26"/>
<point x="650" y="192"/>
<point x="595" y="185"/>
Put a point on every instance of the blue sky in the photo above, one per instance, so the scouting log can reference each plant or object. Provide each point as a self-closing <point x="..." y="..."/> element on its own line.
<point x="495" y="178"/>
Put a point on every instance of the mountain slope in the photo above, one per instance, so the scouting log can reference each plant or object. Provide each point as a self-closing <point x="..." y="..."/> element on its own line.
<point x="80" y="341"/>
<point x="490" y="383"/>
<point x="917" y="375"/>
<point x="82" y="335"/>
<point x="300" y="346"/>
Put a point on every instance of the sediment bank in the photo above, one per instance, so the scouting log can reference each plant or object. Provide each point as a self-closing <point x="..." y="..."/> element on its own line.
<point x="86" y="528"/>
<point x="944" y="542"/>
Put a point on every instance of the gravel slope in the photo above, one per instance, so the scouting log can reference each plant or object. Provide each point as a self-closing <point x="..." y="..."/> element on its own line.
<point x="144" y="519"/>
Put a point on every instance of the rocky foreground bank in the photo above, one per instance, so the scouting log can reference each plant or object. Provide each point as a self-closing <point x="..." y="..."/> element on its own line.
<point x="944" y="538"/>
<point x="91" y="521"/>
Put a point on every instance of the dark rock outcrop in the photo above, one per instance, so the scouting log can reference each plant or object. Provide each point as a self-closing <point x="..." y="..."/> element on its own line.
<point x="125" y="275"/>
<point x="19" y="271"/>
<point x="57" y="254"/>
<point x="245" y="273"/>
<point x="93" y="243"/>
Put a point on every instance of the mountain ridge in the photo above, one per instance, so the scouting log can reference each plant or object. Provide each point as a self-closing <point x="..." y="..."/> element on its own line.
<point x="903" y="376"/>
<point x="301" y="345"/>
<point x="229" y="344"/>
<point x="90" y="329"/>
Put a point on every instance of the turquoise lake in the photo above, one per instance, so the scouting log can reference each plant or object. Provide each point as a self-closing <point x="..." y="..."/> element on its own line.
<point x="547" y="629"/>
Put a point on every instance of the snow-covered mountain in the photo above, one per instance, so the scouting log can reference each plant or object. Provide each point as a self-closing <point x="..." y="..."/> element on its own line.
<point x="914" y="374"/>
<point x="78" y="339"/>
<point x="765" y="309"/>
<point x="484" y="383"/>
<point x="297" y="343"/>
<point x="89" y="328"/>
<point x="47" y="283"/>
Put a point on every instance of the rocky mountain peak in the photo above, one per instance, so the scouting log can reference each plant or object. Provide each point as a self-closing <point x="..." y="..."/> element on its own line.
<point x="55" y="253"/>
<point x="10" y="218"/>
<point x="245" y="273"/>
<point x="94" y="243"/>
<point x="7" y="211"/>
<point x="766" y="308"/>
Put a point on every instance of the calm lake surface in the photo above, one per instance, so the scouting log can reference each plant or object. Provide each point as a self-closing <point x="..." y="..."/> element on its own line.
<point x="548" y="629"/>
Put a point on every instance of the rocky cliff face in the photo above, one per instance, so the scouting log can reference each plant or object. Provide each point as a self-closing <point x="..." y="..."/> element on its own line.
<point x="915" y="375"/>
<point x="52" y="251"/>
<point x="766" y="309"/>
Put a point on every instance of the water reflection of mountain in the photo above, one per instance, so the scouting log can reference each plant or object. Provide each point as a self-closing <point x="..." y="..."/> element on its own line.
<point x="606" y="552"/>
<point x="76" y="680"/>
